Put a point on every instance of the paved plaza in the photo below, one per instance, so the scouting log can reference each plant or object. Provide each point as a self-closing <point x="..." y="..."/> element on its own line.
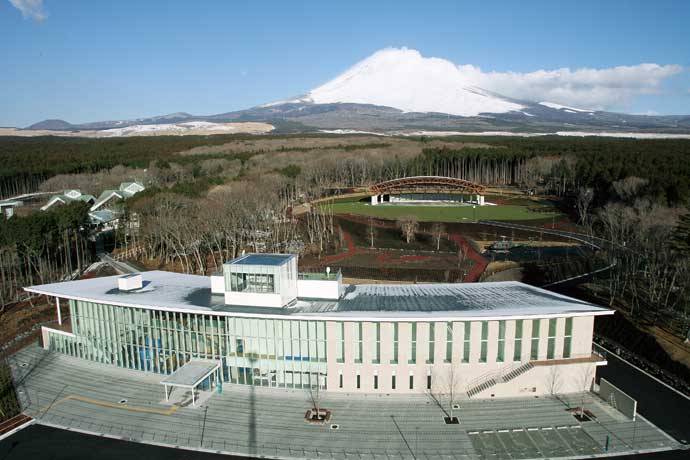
<point x="66" y="392"/>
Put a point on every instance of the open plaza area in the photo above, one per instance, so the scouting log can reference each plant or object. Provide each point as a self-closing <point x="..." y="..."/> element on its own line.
<point x="67" y="392"/>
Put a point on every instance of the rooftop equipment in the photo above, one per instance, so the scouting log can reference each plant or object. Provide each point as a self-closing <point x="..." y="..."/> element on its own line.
<point x="130" y="282"/>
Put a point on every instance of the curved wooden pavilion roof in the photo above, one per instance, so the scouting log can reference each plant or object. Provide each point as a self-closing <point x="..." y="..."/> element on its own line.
<point x="415" y="183"/>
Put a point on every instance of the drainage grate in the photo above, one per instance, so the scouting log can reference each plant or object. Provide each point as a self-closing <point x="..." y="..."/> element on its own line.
<point x="335" y="426"/>
<point x="122" y="401"/>
<point x="23" y="364"/>
<point x="456" y="406"/>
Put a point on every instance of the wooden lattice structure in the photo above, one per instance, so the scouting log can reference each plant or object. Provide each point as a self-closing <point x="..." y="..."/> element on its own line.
<point x="428" y="184"/>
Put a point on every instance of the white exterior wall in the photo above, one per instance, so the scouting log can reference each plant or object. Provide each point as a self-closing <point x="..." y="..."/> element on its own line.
<point x="536" y="381"/>
<point x="318" y="289"/>
<point x="217" y="284"/>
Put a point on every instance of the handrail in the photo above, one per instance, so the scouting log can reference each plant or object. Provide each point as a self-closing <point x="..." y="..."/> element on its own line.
<point x="500" y="372"/>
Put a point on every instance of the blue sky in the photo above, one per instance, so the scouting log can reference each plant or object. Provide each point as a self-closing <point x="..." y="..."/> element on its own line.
<point x="83" y="60"/>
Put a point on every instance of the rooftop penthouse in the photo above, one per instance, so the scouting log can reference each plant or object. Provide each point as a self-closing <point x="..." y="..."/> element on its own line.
<point x="269" y="284"/>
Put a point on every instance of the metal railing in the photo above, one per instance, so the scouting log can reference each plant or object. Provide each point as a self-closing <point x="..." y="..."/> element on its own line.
<point x="319" y="276"/>
<point x="496" y="374"/>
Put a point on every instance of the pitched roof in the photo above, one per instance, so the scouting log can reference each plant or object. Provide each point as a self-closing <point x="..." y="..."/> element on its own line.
<point x="106" y="196"/>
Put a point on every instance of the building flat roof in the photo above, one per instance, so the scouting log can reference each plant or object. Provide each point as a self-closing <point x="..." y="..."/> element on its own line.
<point x="191" y="373"/>
<point x="262" y="259"/>
<point x="192" y="293"/>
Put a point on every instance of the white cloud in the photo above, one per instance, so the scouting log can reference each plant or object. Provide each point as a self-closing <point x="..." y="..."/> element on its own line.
<point x="591" y="88"/>
<point x="30" y="8"/>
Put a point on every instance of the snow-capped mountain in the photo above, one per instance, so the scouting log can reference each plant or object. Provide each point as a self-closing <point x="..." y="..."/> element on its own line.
<point x="405" y="80"/>
<point x="399" y="90"/>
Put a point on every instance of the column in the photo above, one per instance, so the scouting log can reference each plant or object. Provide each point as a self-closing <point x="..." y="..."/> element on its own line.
<point x="59" y="314"/>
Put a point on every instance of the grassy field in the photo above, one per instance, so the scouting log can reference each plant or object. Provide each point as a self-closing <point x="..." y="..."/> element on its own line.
<point x="442" y="213"/>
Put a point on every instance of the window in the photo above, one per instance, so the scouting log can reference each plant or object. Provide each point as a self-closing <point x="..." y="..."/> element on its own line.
<point x="484" y="341"/>
<point x="466" y="343"/>
<point x="377" y="347"/>
<point x="376" y="382"/>
<point x="359" y="381"/>
<point x="252" y="282"/>
<point x="393" y="382"/>
<point x="449" y="342"/>
<point x="411" y="381"/>
<point x="395" y="344"/>
<point x="358" y="343"/>
<point x="517" y="344"/>
<point x="568" y="338"/>
<point x="428" y="382"/>
<point x="340" y="379"/>
<point x="500" y="354"/>
<point x="432" y="333"/>
<point x="413" y="345"/>
<point x="551" y="343"/>
<point x="340" y="342"/>
<point x="534" y="353"/>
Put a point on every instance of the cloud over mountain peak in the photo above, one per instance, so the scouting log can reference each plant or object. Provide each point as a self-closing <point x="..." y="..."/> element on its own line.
<point x="404" y="79"/>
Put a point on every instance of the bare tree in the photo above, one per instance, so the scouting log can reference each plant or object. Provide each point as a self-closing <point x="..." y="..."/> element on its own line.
<point x="371" y="231"/>
<point x="315" y="395"/>
<point x="461" y="259"/>
<point x="628" y="188"/>
<point x="408" y="225"/>
<point x="451" y="388"/>
<point x="553" y="380"/>
<point x="438" y="230"/>
<point x="583" y="201"/>
<point x="584" y="380"/>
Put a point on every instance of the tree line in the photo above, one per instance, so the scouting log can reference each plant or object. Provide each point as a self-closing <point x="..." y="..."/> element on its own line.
<point x="42" y="247"/>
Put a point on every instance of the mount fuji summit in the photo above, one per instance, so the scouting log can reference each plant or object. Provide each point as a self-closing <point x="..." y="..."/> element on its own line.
<point x="404" y="80"/>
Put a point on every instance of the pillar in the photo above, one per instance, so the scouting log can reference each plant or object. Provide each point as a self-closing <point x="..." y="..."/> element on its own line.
<point x="59" y="314"/>
<point x="374" y="200"/>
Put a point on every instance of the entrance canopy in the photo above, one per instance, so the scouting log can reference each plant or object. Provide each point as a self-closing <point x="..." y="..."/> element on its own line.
<point x="190" y="375"/>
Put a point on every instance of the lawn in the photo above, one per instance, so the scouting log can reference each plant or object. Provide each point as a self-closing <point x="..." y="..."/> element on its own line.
<point x="441" y="213"/>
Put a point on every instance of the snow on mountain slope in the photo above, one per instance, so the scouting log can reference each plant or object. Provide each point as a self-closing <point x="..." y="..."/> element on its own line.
<point x="553" y="105"/>
<point x="404" y="79"/>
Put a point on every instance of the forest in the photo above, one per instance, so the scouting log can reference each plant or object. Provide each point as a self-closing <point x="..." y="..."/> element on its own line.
<point x="208" y="198"/>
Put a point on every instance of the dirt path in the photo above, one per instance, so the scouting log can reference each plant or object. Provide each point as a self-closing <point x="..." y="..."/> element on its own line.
<point x="480" y="262"/>
<point x="349" y="252"/>
<point x="478" y="267"/>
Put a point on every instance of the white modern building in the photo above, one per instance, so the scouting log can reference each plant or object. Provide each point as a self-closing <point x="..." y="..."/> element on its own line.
<point x="265" y="324"/>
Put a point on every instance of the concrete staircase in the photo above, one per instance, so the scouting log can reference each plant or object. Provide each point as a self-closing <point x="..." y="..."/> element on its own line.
<point x="499" y="376"/>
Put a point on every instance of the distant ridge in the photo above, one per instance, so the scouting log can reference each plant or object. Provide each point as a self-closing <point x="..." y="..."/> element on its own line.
<point x="397" y="90"/>
<point x="52" y="125"/>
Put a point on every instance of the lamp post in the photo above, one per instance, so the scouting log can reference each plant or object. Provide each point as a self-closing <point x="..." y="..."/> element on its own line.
<point x="474" y="212"/>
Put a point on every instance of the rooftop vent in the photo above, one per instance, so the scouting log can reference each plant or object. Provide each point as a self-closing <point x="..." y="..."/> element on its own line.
<point x="130" y="282"/>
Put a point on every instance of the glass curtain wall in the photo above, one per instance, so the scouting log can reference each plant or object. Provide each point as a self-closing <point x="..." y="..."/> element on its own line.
<point x="265" y="352"/>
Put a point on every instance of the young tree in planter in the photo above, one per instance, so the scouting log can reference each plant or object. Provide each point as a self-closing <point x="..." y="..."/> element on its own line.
<point x="452" y="387"/>
<point x="584" y="381"/>
<point x="315" y="395"/>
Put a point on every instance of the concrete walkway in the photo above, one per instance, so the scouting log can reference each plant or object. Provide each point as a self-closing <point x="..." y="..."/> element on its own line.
<point x="67" y="392"/>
